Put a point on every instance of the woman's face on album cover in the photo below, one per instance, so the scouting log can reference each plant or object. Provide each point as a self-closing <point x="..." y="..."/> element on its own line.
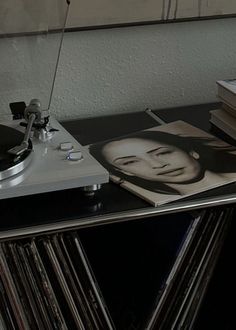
<point x="152" y="160"/>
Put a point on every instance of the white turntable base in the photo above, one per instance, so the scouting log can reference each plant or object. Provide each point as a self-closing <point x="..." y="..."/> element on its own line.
<point x="50" y="170"/>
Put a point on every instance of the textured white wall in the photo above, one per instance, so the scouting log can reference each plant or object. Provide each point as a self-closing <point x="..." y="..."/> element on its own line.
<point x="128" y="69"/>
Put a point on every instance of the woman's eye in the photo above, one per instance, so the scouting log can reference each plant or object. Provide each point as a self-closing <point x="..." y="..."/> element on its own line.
<point x="163" y="153"/>
<point x="128" y="162"/>
<point x="166" y="152"/>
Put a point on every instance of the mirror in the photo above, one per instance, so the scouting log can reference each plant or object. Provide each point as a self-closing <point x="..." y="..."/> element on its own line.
<point x="85" y="14"/>
<point x="29" y="50"/>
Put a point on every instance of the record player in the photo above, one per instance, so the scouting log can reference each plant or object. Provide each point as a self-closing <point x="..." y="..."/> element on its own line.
<point x="37" y="154"/>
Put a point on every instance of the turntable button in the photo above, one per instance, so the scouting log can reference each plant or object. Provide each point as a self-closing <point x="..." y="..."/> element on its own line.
<point x="66" y="146"/>
<point x="75" y="155"/>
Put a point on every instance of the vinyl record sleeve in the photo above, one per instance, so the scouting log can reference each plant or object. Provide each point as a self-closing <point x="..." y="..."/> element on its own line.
<point x="33" y="282"/>
<point x="183" y="301"/>
<point x="40" y="272"/>
<point x="167" y="162"/>
<point x="11" y="289"/>
<point x="24" y="290"/>
<point x="7" y="317"/>
<point x="75" y="279"/>
<point x="56" y="274"/>
<point x="93" y="293"/>
<point x="191" y="305"/>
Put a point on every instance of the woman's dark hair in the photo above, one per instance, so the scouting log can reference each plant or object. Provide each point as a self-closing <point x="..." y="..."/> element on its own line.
<point x="215" y="158"/>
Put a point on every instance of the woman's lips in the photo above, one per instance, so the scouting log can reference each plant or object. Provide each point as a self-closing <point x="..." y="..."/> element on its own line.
<point x="172" y="172"/>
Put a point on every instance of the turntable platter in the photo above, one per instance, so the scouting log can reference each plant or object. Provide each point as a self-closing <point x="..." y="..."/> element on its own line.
<point x="10" y="164"/>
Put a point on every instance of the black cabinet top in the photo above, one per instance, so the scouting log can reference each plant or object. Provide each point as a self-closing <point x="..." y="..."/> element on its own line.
<point x="61" y="209"/>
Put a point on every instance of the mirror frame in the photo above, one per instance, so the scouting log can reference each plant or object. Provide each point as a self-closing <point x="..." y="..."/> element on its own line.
<point x="102" y="14"/>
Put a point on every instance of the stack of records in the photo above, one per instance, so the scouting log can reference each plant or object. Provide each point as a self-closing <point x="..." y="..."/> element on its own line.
<point x="145" y="274"/>
<point x="224" y="119"/>
<point x="46" y="283"/>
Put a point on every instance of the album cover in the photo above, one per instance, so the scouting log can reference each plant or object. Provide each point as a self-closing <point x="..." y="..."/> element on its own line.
<point x="23" y="288"/>
<point x="59" y="283"/>
<point x="6" y="314"/>
<point x="78" y="280"/>
<point x="45" y="285"/>
<point x="93" y="295"/>
<point x="11" y="287"/>
<point x="167" y="162"/>
<point x="34" y="283"/>
<point x="72" y="279"/>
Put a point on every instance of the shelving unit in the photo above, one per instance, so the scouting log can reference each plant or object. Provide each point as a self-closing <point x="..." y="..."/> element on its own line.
<point x="127" y="248"/>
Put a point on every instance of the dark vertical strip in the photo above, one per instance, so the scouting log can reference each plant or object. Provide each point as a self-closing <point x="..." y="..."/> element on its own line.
<point x="168" y="10"/>
<point x="163" y="10"/>
<point x="176" y="8"/>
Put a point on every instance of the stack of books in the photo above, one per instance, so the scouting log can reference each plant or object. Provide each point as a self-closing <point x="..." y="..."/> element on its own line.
<point x="225" y="117"/>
